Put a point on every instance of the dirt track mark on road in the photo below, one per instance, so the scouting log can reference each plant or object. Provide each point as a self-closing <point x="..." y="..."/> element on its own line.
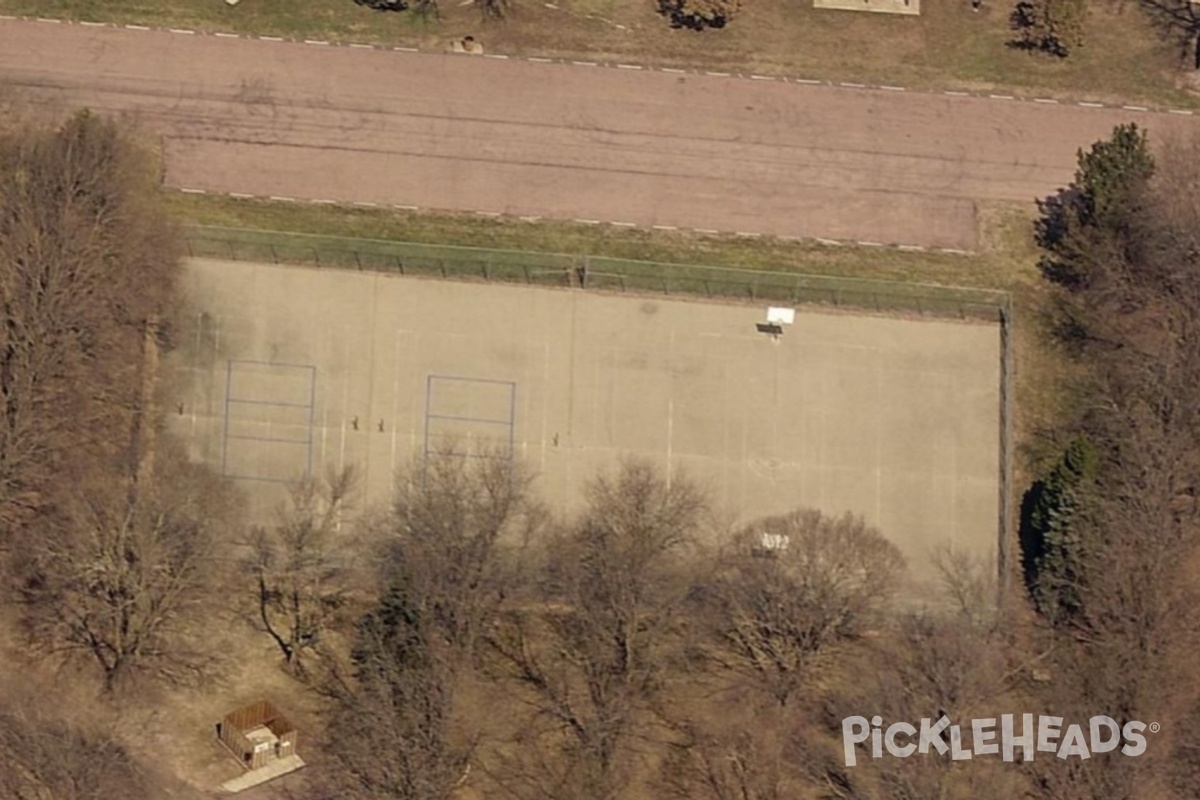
<point x="557" y="141"/>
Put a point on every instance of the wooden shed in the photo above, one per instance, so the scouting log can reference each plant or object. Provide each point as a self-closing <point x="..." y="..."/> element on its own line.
<point x="257" y="735"/>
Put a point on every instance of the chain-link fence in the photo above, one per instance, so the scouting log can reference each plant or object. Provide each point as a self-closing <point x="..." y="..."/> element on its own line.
<point x="594" y="272"/>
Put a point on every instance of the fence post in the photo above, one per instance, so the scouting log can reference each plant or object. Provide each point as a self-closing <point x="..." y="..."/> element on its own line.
<point x="399" y="265"/>
<point x="274" y="255"/>
<point x="357" y="260"/>
<point x="487" y="271"/>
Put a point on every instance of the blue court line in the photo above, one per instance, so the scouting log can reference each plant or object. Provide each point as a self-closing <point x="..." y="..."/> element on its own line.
<point x="307" y="441"/>
<point x="228" y="390"/>
<point x="470" y="380"/>
<point x="269" y="403"/>
<point x="512" y="421"/>
<point x="275" y="364"/>
<point x="312" y="404"/>
<point x="470" y="419"/>
<point x="258" y="478"/>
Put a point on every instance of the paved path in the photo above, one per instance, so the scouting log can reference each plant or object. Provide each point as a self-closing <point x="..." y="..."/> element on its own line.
<point x="563" y="141"/>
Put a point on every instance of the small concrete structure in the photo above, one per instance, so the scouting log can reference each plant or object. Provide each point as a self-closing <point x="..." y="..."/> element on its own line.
<point x="262" y="740"/>
<point x="910" y="7"/>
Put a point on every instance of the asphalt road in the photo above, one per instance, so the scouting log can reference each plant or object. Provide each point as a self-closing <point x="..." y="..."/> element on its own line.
<point x="563" y="141"/>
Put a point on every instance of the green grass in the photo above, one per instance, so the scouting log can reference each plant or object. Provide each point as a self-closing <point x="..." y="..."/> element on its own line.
<point x="1006" y="262"/>
<point x="1124" y="58"/>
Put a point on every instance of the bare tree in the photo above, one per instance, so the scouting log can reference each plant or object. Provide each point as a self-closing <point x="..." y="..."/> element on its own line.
<point x="44" y="759"/>
<point x="299" y="567"/>
<point x="588" y="652"/>
<point x="457" y="523"/>
<point x="86" y="259"/>
<point x="819" y="581"/>
<point x="392" y="729"/>
<point x="122" y="581"/>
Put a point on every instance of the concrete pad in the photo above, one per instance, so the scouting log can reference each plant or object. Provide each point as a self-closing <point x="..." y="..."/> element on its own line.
<point x="878" y="6"/>
<point x="897" y="420"/>
<point x="269" y="772"/>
